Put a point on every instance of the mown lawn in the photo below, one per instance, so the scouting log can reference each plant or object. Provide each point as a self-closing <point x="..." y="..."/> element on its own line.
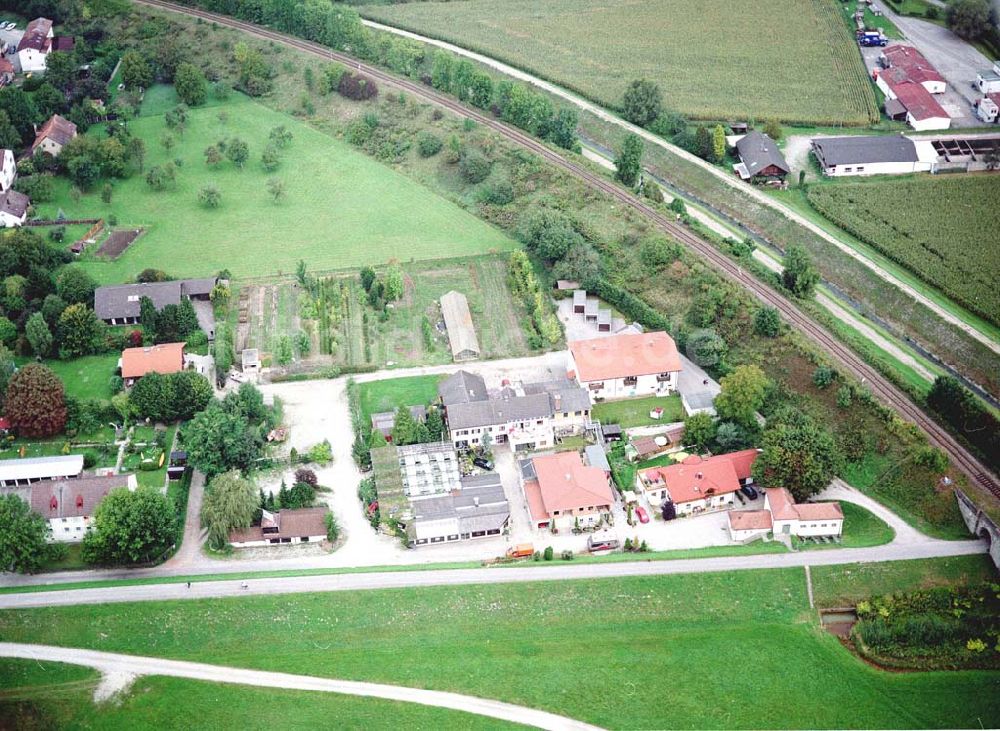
<point x="88" y="377"/>
<point x="751" y="632"/>
<point x="43" y="696"/>
<point x="701" y="55"/>
<point x="342" y="208"/>
<point x="635" y="412"/>
<point x="389" y="394"/>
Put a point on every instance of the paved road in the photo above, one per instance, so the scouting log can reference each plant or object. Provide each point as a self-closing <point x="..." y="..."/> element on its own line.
<point x="129" y="666"/>
<point x="726" y="178"/>
<point x="494" y="575"/>
<point x="190" y="550"/>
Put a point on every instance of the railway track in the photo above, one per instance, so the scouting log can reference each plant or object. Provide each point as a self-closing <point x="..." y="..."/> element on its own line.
<point x="880" y="387"/>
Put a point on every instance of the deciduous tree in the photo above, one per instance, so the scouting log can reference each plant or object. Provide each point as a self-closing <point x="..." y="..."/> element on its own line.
<point x="230" y="503"/>
<point x="642" y="102"/>
<point x="23" y="544"/>
<point x="36" y="402"/>
<point x="136" y="70"/>
<point x="699" y="430"/>
<point x="628" y="164"/>
<point x="799" y="275"/>
<point x="130" y="528"/>
<point x="799" y="456"/>
<point x="190" y="83"/>
<point x="38" y="334"/>
<point x="742" y="394"/>
<point x="80" y="332"/>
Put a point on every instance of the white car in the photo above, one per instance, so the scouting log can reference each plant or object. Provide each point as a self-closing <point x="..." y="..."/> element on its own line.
<point x="11" y="26"/>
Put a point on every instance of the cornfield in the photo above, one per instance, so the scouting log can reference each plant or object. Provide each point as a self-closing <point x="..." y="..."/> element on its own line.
<point x="943" y="229"/>
<point x="793" y="60"/>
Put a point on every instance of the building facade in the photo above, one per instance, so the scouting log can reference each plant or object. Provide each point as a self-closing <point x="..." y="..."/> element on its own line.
<point x="69" y="505"/>
<point x="626" y="366"/>
<point x="698" y="484"/>
<point x="562" y="492"/>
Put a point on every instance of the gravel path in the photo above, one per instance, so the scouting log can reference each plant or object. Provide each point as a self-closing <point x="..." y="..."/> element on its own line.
<point x="726" y="178"/>
<point x="123" y="668"/>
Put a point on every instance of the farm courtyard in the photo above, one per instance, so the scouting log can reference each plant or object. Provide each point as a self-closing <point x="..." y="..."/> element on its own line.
<point x="789" y="59"/>
<point x="341" y="209"/>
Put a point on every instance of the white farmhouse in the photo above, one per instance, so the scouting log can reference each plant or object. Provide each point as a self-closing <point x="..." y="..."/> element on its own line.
<point x="13" y="208"/>
<point x="69" y="505"/>
<point x="874" y="155"/>
<point x="626" y="365"/>
<point x="35" y="45"/>
<point x="802" y="519"/>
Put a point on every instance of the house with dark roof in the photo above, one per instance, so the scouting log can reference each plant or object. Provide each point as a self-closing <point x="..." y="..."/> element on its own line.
<point x="54" y="135"/>
<point x="35" y="45"/>
<point x="478" y="510"/>
<point x="760" y="158"/>
<point x="13" y="208"/>
<point x="461" y="387"/>
<point x="302" y="525"/>
<point x="120" y="304"/>
<point x="69" y="505"/>
<point x="873" y="155"/>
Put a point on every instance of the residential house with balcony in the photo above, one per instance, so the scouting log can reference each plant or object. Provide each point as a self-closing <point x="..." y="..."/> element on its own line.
<point x="698" y="484"/>
<point x="563" y="492"/>
<point x="626" y="365"/>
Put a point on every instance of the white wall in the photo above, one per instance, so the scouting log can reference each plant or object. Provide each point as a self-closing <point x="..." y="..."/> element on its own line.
<point x="715" y="502"/>
<point x="31" y="60"/>
<point x="819" y="528"/>
<point x="7" y="171"/>
<point x="7" y="220"/>
<point x="877" y="168"/>
<point x="928" y="124"/>
<point x="644" y="386"/>
<point x="747" y="534"/>
<point x="68" y="530"/>
<point x="267" y="542"/>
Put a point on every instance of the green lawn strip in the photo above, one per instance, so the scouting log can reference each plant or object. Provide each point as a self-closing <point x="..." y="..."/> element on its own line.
<point x="389" y="394"/>
<point x="533" y="644"/>
<point x="72" y="562"/>
<point x="845" y="584"/>
<point x="635" y="412"/>
<point x="878" y="477"/>
<point x="862" y="529"/>
<point x="707" y="552"/>
<point x="87" y="377"/>
<point x="329" y="185"/>
<point x="52" y="695"/>
<point x="156" y="478"/>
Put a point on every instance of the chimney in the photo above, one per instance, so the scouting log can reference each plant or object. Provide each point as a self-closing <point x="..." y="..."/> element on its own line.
<point x="699" y="476"/>
<point x="557" y="400"/>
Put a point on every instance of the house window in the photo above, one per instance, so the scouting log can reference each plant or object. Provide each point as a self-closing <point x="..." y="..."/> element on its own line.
<point x="577" y="413"/>
<point x="539" y="421"/>
<point x="630" y="380"/>
<point x="663" y="377"/>
<point x="848" y="170"/>
<point x="596" y="386"/>
<point x="437" y="539"/>
<point x="861" y="169"/>
<point x="304" y="539"/>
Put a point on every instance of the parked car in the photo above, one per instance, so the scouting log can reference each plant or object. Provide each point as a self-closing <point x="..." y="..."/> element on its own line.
<point x="11" y="26"/>
<point x="749" y="491"/>
<point x="483" y="463"/>
<point x="641" y="514"/>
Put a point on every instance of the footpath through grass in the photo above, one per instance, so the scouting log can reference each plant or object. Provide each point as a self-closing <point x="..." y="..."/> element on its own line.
<point x="533" y="644"/>
<point x="342" y="209"/>
<point x="48" y="695"/>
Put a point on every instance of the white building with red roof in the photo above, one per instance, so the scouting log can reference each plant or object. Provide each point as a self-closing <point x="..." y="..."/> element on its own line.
<point x="69" y="505"/>
<point x="908" y="82"/>
<point x="561" y="490"/>
<point x="802" y="519"/>
<point x="35" y="45"/>
<point x="699" y="484"/>
<point x="626" y="365"/>
<point x="54" y="135"/>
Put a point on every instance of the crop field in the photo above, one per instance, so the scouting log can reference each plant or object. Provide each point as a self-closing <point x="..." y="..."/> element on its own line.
<point x="529" y="643"/>
<point x="344" y="330"/>
<point x="341" y="208"/>
<point x="790" y="59"/>
<point x="935" y="226"/>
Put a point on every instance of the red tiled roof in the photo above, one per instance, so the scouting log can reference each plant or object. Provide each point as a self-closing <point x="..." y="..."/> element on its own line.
<point x="697" y="478"/>
<point x="918" y="101"/>
<point x="291" y="524"/>
<point x="536" y="506"/>
<point x="6" y="67"/>
<point x="749" y="520"/>
<point x="913" y="63"/>
<point x="58" y="129"/>
<point x="164" y="358"/>
<point x="784" y="507"/>
<point x="63" y="43"/>
<point x="566" y="483"/>
<point x="36" y="35"/>
<point x="618" y="356"/>
<point x="994" y="97"/>
<point x="76" y="498"/>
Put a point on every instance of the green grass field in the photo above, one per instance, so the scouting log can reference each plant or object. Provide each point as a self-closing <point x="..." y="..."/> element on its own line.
<point x="45" y="696"/>
<point x="88" y="377"/>
<point x="652" y="643"/>
<point x="635" y="412"/>
<point x="387" y="395"/>
<point x="932" y="225"/>
<point x="342" y="209"/>
<point x="710" y="59"/>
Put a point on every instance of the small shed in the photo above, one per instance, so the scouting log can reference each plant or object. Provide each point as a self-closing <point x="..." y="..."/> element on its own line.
<point x="612" y="432"/>
<point x="760" y="158"/>
<point x="250" y="360"/>
<point x="579" y="301"/>
<point x="739" y="128"/>
<point x="604" y="321"/>
<point x="458" y="322"/>
<point x="562" y="285"/>
<point x="590" y="310"/>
